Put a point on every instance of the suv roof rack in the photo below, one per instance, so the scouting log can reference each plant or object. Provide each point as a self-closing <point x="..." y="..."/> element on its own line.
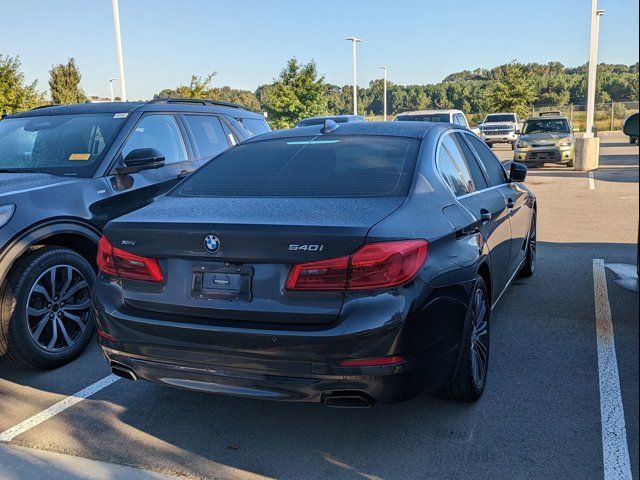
<point x="200" y="101"/>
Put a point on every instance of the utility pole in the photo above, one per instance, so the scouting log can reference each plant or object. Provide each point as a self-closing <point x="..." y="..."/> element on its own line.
<point x="116" y="27"/>
<point x="111" y="88"/>
<point x="384" y="89"/>
<point x="612" y="114"/>
<point x="593" y="66"/>
<point x="354" y="41"/>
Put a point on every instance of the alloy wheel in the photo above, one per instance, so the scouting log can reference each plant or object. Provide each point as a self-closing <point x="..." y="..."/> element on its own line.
<point x="58" y="308"/>
<point x="479" y="338"/>
<point x="533" y="244"/>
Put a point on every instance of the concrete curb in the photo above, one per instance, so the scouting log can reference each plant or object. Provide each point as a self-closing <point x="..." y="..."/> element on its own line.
<point x="18" y="463"/>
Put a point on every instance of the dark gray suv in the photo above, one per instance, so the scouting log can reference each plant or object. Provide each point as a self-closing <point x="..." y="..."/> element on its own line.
<point x="65" y="171"/>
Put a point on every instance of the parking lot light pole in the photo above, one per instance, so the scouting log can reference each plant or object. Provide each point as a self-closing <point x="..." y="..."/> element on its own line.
<point x="384" y="94"/>
<point x="111" y="88"/>
<point x="354" y="41"/>
<point x="593" y="66"/>
<point x="116" y="26"/>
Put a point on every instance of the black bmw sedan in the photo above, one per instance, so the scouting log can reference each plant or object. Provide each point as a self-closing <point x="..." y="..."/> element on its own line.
<point x="347" y="265"/>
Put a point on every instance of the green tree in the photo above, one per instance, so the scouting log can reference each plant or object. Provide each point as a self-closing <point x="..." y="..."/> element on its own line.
<point x="298" y="92"/>
<point x="64" y="82"/>
<point x="513" y="91"/>
<point x="15" y="94"/>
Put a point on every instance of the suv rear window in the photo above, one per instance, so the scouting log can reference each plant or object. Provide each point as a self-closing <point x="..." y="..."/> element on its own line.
<point x="431" y="117"/>
<point x="254" y="125"/>
<point x="308" y="167"/>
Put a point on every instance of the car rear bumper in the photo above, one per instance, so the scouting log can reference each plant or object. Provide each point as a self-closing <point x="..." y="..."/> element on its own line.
<point x="290" y="365"/>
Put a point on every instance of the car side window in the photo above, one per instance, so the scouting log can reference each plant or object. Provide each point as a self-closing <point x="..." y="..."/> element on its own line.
<point x="454" y="144"/>
<point x="160" y="132"/>
<point x="456" y="120"/>
<point x="455" y="172"/>
<point x="208" y="133"/>
<point x="493" y="167"/>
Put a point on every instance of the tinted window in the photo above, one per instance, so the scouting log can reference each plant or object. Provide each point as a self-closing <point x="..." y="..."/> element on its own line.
<point x="255" y="125"/>
<point x="492" y="165"/>
<point x="208" y="134"/>
<point x="160" y="132"/>
<point x="437" y="118"/>
<point x="456" y="175"/>
<point x="57" y="144"/>
<point x="472" y="162"/>
<point x="463" y="157"/>
<point x="353" y="166"/>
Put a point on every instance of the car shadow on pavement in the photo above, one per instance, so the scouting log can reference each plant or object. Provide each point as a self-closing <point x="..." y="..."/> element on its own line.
<point x="539" y="416"/>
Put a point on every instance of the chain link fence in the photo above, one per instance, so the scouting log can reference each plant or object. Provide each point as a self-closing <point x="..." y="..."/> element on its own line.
<point x="608" y="116"/>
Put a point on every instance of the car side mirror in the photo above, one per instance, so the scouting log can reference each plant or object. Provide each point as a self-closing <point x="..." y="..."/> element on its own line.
<point x="631" y="126"/>
<point x="141" y="159"/>
<point x="518" y="172"/>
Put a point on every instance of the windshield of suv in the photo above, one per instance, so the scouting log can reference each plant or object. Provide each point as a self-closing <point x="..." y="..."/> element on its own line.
<point x="432" y="117"/>
<point x="71" y="145"/>
<point x="499" y="118"/>
<point x="546" y="126"/>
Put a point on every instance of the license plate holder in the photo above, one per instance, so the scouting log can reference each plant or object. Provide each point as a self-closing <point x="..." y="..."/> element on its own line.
<point x="230" y="283"/>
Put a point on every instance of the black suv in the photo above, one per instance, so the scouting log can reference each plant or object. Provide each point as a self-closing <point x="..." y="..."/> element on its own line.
<point x="65" y="171"/>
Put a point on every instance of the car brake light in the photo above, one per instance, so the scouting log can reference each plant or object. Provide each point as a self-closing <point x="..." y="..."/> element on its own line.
<point x="373" y="266"/>
<point x="328" y="274"/>
<point x="120" y="263"/>
<point x="373" y="362"/>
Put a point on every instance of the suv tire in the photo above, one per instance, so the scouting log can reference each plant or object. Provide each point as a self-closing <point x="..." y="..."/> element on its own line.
<point x="467" y="385"/>
<point x="46" y="295"/>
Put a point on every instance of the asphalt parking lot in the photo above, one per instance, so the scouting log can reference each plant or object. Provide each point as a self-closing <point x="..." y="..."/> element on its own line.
<point x="551" y="391"/>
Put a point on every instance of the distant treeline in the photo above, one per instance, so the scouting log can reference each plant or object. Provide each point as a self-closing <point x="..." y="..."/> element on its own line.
<point x="470" y="91"/>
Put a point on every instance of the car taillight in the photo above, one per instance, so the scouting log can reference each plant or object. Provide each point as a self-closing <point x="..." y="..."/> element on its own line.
<point x="373" y="266"/>
<point x="123" y="264"/>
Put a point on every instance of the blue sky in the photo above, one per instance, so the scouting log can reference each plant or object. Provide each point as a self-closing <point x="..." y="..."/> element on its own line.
<point x="249" y="41"/>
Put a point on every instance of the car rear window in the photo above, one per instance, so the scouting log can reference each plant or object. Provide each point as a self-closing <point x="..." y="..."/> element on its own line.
<point x="307" y="167"/>
<point x="254" y="125"/>
<point x="434" y="118"/>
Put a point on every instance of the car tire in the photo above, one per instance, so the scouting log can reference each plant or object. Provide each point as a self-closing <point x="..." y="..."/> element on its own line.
<point x="32" y="313"/>
<point x="529" y="266"/>
<point x="633" y="140"/>
<point x="571" y="163"/>
<point x="467" y="385"/>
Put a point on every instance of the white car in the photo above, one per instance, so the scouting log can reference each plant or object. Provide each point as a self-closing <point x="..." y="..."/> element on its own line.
<point x="457" y="117"/>
<point x="500" y="128"/>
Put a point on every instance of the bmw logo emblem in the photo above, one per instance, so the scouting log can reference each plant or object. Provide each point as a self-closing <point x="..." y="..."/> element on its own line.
<point x="211" y="243"/>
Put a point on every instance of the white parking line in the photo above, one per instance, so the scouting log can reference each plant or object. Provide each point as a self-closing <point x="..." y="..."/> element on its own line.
<point x="592" y="182"/>
<point x="53" y="410"/>
<point x="615" y="450"/>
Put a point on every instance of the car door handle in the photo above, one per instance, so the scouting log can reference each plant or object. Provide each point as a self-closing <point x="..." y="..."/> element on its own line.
<point x="485" y="215"/>
<point x="510" y="203"/>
